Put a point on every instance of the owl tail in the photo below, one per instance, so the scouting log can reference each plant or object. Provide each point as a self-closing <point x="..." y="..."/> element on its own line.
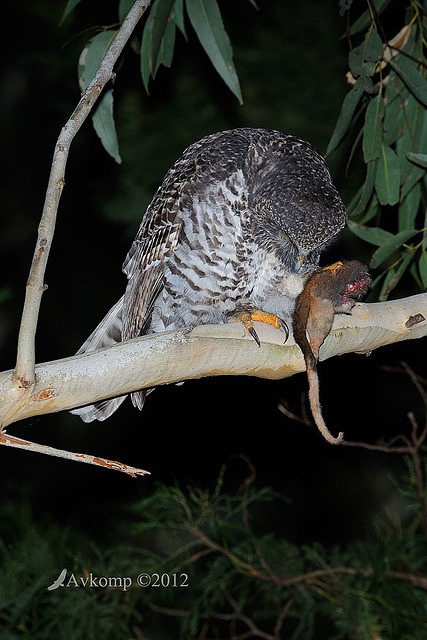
<point x="107" y="333"/>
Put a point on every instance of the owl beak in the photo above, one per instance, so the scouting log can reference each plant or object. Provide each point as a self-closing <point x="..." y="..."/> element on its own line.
<point x="299" y="263"/>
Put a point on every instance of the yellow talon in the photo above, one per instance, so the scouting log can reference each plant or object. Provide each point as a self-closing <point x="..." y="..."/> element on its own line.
<point x="334" y="267"/>
<point x="261" y="316"/>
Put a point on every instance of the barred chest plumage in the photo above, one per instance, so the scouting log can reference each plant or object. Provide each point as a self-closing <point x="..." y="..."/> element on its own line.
<point x="218" y="266"/>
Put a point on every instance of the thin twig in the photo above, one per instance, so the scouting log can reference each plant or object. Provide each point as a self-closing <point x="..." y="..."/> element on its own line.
<point x="24" y="374"/>
<point x="307" y="578"/>
<point x="411" y="445"/>
<point x="18" y="443"/>
<point x="237" y="616"/>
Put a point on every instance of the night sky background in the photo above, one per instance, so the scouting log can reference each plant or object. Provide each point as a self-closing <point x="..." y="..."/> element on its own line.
<point x="292" y="62"/>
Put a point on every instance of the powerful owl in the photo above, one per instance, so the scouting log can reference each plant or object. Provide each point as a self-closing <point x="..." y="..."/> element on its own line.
<point x="237" y="225"/>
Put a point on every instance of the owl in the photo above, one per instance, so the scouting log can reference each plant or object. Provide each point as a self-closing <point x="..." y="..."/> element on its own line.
<point x="237" y="225"/>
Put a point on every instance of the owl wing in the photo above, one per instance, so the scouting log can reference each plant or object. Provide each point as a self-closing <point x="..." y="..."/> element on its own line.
<point x="211" y="159"/>
<point x="156" y="239"/>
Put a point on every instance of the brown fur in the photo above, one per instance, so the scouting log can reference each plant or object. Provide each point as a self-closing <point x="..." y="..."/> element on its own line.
<point x="327" y="291"/>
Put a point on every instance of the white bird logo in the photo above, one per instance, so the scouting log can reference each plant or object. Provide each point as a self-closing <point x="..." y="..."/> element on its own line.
<point x="59" y="582"/>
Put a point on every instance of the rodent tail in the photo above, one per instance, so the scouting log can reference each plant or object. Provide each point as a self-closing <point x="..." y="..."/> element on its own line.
<point x="316" y="410"/>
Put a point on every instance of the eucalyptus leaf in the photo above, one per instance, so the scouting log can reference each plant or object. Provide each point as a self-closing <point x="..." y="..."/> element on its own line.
<point x="422" y="266"/>
<point x="363" y="59"/>
<point x="373" y="235"/>
<point x="395" y="274"/>
<point x="146" y="62"/>
<point x="390" y="246"/>
<point x="91" y="57"/>
<point x="373" y="129"/>
<point x="414" y="137"/>
<point x="359" y="204"/>
<point x="158" y="39"/>
<point x="371" y="210"/>
<point x="409" y="208"/>
<point x="394" y="109"/>
<point x="366" y="72"/>
<point x="388" y="285"/>
<point x="124" y="8"/>
<point x="71" y="4"/>
<point x="206" y="20"/>
<point x="103" y="122"/>
<point x="348" y="108"/>
<point x="417" y="158"/>
<point x="167" y="46"/>
<point x="161" y="13"/>
<point x="366" y="19"/>
<point x="410" y="75"/>
<point x="178" y="11"/>
<point x="387" y="180"/>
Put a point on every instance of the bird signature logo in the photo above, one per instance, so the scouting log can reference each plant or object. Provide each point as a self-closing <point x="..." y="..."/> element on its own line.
<point x="59" y="582"/>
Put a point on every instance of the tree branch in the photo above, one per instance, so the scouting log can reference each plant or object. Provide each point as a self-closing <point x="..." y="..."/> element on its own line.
<point x="24" y="373"/>
<point x="18" y="443"/>
<point x="203" y="351"/>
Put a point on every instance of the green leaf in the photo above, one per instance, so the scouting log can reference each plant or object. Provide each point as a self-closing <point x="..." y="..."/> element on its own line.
<point x="103" y="122"/>
<point x="366" y="19"/>
<point x="161" y="13"/>
<point x="124" y="8"/>
<point x="348" y="108"/>
<point x="158" y="39"/>
<point x="363" y="59"/>
<point x="373" y="129"/>
<point x="371" y="211"/>
<point x="417" y="158"/>
<point x="414" y="137"/>
<point x="394" y="276"/>
<point x="71" y="4"/>
<point x="178" y="11"/>
<point x="424" y="245"/>
<point x="167" y="46"/>
<point x="393" y="114"/>
<point x="387" y="180"/>
<point x="390" y="246"/>
<point x="91" y="56"/>
<point x="207" y="22"/>
<point x="373" y="235"/>
<point x="359" y="204"/>
<point x="416" y="83"/>
<point x="408" y="210"/>
<point x="422" y="265"/>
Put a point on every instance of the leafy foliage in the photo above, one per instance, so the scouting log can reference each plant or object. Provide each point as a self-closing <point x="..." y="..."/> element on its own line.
<point x="389" y="91"/>
<point x="209" y="570"/>
<point x="103" y="119"/>
<point x="157" y="49"/>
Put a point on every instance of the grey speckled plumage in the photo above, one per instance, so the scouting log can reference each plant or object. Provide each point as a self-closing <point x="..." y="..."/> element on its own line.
<point x="238" y="223"/>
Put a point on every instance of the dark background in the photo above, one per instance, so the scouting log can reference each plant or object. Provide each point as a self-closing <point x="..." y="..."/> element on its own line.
<point x="291" y="61"/>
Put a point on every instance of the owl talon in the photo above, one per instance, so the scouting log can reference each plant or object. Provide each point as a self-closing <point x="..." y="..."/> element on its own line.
<point x="253" y="333"/>
<point x="284" y="326"/>
<point x="261" y="316"/>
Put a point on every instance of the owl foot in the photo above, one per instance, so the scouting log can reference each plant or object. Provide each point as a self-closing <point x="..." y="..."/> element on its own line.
<point x="261" y="316"/>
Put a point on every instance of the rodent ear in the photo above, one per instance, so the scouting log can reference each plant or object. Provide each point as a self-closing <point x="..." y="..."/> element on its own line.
<point x="319" y="323"/>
